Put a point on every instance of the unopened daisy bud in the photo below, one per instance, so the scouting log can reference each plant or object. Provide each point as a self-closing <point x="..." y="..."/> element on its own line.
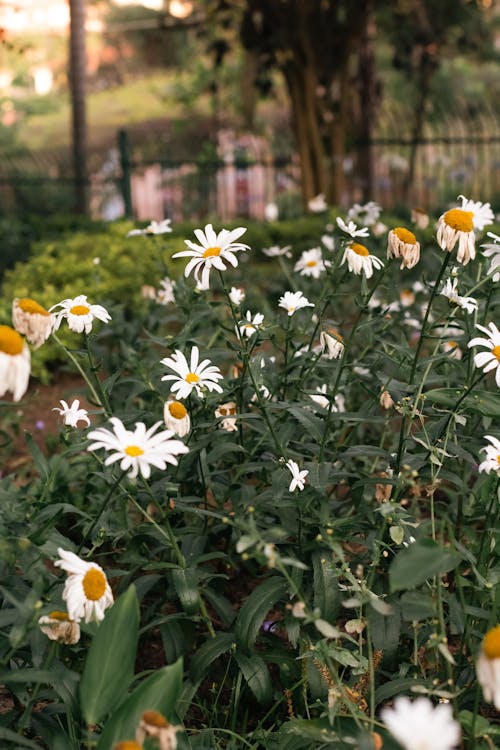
<point x="299" y="610"/>
<point x="15" y="363"/>
<point x="401" y="243"/>
<point x="154" y="724"/>
<point x="488" y="666"/>
<point x="227" y="412"/>
<point x="332" y="343"/>
<point x="386" y="400"/>
<point x="451" y="347"/>
<point x="32" y="320"/>
<point x="420" y="218"/>
<point x="58" y="627"/>
<point x="176" y="417"/>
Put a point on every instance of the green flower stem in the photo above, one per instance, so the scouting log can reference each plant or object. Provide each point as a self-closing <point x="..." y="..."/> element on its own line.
<point x="93" y="368"/>
<point x="96" y="520"/>
<point x="287" y="347"/>
<point x="95" y="395"/>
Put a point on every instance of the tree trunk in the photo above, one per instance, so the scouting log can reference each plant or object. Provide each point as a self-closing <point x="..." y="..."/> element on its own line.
<point x="367" y="108"/>
<point x="78" y="65"/>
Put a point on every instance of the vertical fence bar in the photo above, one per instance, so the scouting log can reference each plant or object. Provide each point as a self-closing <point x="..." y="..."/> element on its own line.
<point x="125" y="165"/>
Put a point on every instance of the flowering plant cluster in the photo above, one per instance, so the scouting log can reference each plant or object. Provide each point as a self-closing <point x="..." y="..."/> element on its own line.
<point x="276" y="526"/>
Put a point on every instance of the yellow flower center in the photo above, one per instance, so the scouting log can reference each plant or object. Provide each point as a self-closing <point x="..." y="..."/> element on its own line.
<point x="459" y="220"/>
<point x="177" y="410"/>
<point x="192" y="377"/>
<point x="311" y="263"/>
<point x="10" y="341"/>
<point x="154" y="718"/>
<point x="333" y="332"/>
<point x="212" y="252"/>
<point x="491" y="643"/>
<point x="57" y="615"/>
<point x="225" y="411"/>
<point x="94" y="584"/>
<point x="133" y="450"/>
<point x="496" y="352"/>
<point x="30" y="306"/>
<point x="79" y="310"/>
<point x="360" y="249"/>
<point x="128" y="745"/>
<point x="498" y="459"/>
<point x="405" y="235"/>
<point x="452" y="344"/>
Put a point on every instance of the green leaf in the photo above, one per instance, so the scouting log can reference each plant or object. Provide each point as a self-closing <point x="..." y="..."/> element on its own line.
<point x="484" y="402"/>
<point x="325" y="587"/>
<point x="252" y="614"/>
<point x="421" y="560"/>
<point x="386" y="630"/>
<point x="41" y="462"/>
<point x="208" y="653"/>
<point x="401" y="685"/>
<point x="187" y="586"/>
<point x="159" y="692"/>
<point x="20" y="741"/>
<point x="256" y="674"/>
<point x="109" y="666"/>
<point x="416" y="605"/>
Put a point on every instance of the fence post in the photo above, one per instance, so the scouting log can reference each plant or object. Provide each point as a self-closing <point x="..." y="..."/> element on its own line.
<point x="125" y="164"/>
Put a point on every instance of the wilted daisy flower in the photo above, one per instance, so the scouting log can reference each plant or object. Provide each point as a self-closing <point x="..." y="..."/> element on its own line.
<point x="176" y="417"/>
<point x="458" y="224"/>
<point x="15" y="363"/>
<point x="154" y="724"/>
<point x="139" y="449"/>
<point x="488" y="360"/>
<point x="367" y="213"/>
<point x="406" y="297"/>
<point x="58" y="627"/>
<point x="492" y="460"/>
<point x="298" y="476"/>
<point x="451" y="347"/>
<point x="488" y="666"/>
<point x="420" y="218"/>
<point x="401" y="243"/>
<point x="492" y="251"/>
<point x="166" y="293"/>
<point x="351" y="228"/>
<point x="237" y="295"/>
<point x="195" y="376"/>
<point x="311" y="263"/>
<point x="250" y="325"/>
<point x="332" y="343"/>
<point x="87" y="592"/>
<point x="156" y="227"/>
<point x="293" y="301"/>
<point x="450" y="291"/>
<point x="79" y="314"/>
<point x="226" y="412"/>
<point x="72" y="414"/>
<point x="32" y="320"/>
<point x="276" y="250"/>
<point x="212" y="252"/>
<point x="419" y="725"/>
<point x="317" y="204"/>
<point x="360" y="261"/>
<point x="148" y="291"/>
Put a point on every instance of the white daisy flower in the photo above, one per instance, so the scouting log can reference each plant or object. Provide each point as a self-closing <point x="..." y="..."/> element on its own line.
<point x="419" y="725"/>
<point x="166" y="293"/>
<point x="139" y="449"/>
<point x="250" y="325"/>
<point x="195" y="376"/>
<point x="58" y="627"/>
<point x="264" y="392"/>
<point x="492" y="251"/>
<point x="328" y="242"/>
<point x="351" y="228"/>
<point x="32" y="320"/>
<point x="176" y="417"/>
<point x="488" y="667"/>
<point x="79" y="314"/>
<point x="226" y="412"/>
<point x="271" y="212"/>
<point x="321" y="398"/>
<point x="450" y="290"/>
<point x="298" y="476"/>
<point x="311" y="263"/>
<point x="401" y="243"/>
<point x="293" y="301"/>
<point x="367" y="213"/>
<point x="488" y="360"/>
<point x="15" y="363"/>
<point x="87" y="592"/>
<point x="212" y="252"/>
<point x="360" y="261"/>
<point x="155" y="227"/>
<point x="492" y="460"/>
<point x="237" y="295"/>
<point x="452" y="348"/>
<point x="276" y="250"/>
<point x="332" y="343"/>
<point x="458" y="224"/>
<point x="72" y="414"/>
<point x="317" y="204"/>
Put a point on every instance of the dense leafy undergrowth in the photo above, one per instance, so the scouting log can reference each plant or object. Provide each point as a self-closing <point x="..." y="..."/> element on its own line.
<point x="323" y="540"/>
